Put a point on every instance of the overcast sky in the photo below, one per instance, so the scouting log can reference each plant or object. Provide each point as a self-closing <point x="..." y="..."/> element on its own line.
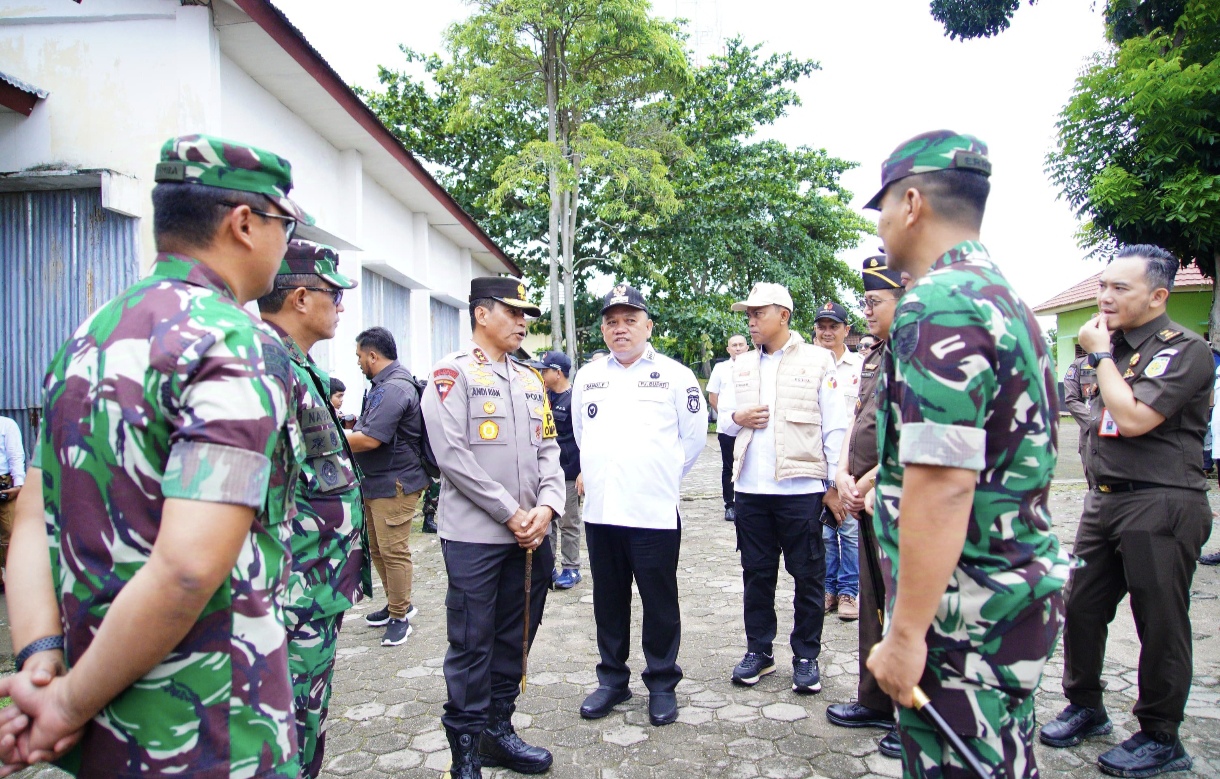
<point x="887" y="73"/>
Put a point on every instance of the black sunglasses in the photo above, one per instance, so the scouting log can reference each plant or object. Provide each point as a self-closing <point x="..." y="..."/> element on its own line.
<point x="335" y="293"/>
<point x="290" y="222"/>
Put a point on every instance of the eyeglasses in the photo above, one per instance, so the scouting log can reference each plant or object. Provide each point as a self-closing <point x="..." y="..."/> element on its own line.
<point x="335" y="293"/>
<point x="290" y="222"/>
<point x="868" y="303"/>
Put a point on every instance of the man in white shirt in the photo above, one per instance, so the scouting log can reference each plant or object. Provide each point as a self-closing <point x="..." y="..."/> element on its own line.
<point x="789" y="418"/>
<point x="718" y="384"/>
<point x="640" y="423"/>
<point x="841" y="534"/>
<point x="12" y="478"/>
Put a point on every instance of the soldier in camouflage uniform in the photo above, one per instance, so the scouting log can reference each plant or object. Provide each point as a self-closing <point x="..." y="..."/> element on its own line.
<point x="967" y="429"/>
<point x="168" y="458"/>
<point x="327" y="555"/>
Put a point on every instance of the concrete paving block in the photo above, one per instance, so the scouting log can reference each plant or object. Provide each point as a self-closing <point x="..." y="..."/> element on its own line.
<point x="784" y="712"/>
<point x="364" y="711"/>
<point x="400" y="760"/>
<point x="625" y="736"/>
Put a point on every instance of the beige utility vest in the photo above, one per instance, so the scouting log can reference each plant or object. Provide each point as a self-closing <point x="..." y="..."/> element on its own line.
<point x="796" y="415"/>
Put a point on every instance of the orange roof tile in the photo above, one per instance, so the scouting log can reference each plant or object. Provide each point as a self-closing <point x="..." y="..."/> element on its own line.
<point x="1085" y="292"/>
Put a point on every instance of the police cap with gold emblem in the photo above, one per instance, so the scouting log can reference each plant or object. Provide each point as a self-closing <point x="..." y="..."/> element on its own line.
<point x="878" y="277"/>
<point x="505" y="289"/>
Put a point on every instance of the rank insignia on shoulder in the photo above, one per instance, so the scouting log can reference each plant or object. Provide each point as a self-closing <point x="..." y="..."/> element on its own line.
<point x="480" y="356"/>
<point x="1169" y="335"/>
<point x="489" y="431"/>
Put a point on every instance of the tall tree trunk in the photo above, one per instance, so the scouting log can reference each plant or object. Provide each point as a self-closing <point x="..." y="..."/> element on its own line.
<point x="569" y="260"/>
<point x="552" y="112"/>
<point x="1213" y="321"/>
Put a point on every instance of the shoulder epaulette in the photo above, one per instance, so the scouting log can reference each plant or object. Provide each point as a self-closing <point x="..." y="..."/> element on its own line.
<point x="1169" y="335"/>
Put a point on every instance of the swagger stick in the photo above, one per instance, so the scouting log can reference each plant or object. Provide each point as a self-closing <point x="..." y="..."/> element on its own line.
<point x="923" y="704"/>
<point x="525" y="633"/>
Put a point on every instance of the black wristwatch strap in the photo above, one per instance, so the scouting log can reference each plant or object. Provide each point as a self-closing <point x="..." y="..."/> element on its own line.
<point x="1096" y="357"/>
<point x="41" y="645"/>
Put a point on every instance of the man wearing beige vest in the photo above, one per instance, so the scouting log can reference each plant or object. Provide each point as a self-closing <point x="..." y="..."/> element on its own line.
<point x="789" y="418"/>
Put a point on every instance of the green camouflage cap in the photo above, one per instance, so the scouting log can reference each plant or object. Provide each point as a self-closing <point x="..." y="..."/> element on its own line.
<point x="215" y="162"/>
<point x="315" y="258"/>
<point x="928" y="152"/>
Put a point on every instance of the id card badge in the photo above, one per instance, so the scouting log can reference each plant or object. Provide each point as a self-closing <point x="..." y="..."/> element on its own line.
<point x="1108" y="427"/>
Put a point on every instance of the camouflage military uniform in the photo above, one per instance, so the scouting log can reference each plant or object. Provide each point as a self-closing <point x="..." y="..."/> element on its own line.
<point x="969" y="388"/>
<point x="173" y="390"/>
<point x="327" y="555"/>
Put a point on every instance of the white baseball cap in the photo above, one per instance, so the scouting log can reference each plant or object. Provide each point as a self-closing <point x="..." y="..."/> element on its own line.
<point x="766" y="294"/>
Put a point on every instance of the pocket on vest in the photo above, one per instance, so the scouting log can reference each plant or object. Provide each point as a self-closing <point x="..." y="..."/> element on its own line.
<point x="804" y="439"/>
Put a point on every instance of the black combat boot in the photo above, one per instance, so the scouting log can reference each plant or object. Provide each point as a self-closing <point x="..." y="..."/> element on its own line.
<point x="464" y="747"/>
<point x="501" y="746"/>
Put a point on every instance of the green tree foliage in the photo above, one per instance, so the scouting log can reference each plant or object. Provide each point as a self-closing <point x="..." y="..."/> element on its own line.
<point x="1138" y="152"/>
<point x="575" y="61"/>
<point x="752" y="210"/>
<point x="966" y="19"/>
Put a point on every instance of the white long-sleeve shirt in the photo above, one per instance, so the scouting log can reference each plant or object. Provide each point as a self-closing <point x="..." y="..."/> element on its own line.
<point x="12" y="460"/>
<point x="640" y="429"/>
<point x="721" y="383"/>
<point x="758" y="471"/>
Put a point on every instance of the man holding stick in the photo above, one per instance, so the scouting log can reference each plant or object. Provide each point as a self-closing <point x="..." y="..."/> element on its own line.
<point x="967" y="431"/>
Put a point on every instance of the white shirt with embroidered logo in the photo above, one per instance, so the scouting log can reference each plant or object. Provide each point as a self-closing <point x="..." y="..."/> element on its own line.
<point x="847" y="370"/>
<point x="640" y="429"/>
<point x="758" y="470"/>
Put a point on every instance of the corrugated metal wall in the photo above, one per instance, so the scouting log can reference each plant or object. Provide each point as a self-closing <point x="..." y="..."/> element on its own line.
<point x="387" y="305"/>
<point x="61" y="257"/>
<point x="446" y="328"/>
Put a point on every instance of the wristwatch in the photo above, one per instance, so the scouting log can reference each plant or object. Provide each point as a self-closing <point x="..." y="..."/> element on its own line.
<point x="1096" y="357"/>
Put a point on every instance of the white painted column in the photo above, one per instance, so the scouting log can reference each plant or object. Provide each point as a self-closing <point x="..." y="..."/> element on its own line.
<point x="420" y="331"/>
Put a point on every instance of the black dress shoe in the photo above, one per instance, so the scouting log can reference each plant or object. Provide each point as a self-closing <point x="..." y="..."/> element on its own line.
<point x="1210" y="559"/>
<point x="1145" y="754"/>
<point x="602" y="700"/>
<point x="662" y="708"/>
<point x="890" y="745"/>
<point x="857" y="715"/>
<point x="1074" y="724"/>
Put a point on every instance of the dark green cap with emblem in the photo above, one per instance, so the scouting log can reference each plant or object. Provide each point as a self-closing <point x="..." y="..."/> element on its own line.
<point x="506" y="289"/>
<point x="929" y="152"/>
<point x="315" y="258"/>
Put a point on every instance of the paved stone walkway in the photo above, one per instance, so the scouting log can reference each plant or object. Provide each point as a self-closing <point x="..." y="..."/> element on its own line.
<point x="385" y="713"/>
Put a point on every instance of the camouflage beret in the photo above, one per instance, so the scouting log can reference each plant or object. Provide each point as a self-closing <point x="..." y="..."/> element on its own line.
<point x="928" y="152"/>
<point x="315" y="258"/>
<point x="215" y="162"/>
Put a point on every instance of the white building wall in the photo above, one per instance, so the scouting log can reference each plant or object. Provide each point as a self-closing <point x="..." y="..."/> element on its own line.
<point x="125" y="75"/>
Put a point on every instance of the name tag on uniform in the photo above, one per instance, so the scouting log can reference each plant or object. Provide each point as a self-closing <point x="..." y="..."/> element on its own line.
<point x="1108" y="427"/>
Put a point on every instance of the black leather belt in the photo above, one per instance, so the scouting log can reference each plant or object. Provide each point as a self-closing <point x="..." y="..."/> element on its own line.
<point x="1129" y="486"/>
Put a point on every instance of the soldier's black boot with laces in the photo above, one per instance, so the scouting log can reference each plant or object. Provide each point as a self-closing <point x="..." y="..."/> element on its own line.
<point x="464" y="748"/>
<point x="501" y="746"/>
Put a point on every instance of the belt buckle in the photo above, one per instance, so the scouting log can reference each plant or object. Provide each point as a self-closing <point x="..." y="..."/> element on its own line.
<point x="1103" y="487"/>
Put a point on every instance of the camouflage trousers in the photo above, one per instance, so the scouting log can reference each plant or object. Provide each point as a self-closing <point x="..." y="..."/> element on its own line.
<point x="312" y="645"/>
<point x="1007" y="746"/>
<point x="987" y="697"/>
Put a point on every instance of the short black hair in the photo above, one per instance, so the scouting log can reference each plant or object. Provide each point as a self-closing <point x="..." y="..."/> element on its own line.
<point x="191" y="213"/>
<point x="1160" y="266"/>
<point x="337" y="386"/>
<point x="959" y="196"/>
<point x="273" y="301"/>
<point x="379" y="340"/>
<point x="487" y="303"/>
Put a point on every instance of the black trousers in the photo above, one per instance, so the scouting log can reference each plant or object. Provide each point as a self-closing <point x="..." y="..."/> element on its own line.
<point x="726" y="466"/>
<point x="871" y="602"/>
<point x="617" y="555"/>
<point x="484" y="610"/>
<point x="1145" y="543"/>
<point x="766" y="526"/>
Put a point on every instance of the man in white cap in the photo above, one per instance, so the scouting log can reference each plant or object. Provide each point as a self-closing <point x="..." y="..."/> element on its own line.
<point x="789" y="419"/>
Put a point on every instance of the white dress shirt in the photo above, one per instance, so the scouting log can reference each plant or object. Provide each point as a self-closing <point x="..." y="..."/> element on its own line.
<point x="757" y="475"/>
<point x="721" y="383"/>
<point x="640" y="429"/>
<point x="847" y="369"/>
<point x="12" y="459"/>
